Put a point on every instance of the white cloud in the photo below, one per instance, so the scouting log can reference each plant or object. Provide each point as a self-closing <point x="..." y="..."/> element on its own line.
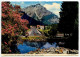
<point x="55" y="5"/>
<point x="22" y="2"/>
<point x="55" y="8"/>
<point x="56" y="12"/>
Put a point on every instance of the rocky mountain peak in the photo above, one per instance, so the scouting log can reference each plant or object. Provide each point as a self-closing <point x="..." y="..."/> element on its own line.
<point x="39" y="13"/>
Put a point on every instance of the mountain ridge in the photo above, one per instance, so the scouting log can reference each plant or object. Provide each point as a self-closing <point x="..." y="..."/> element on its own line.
<point x="40" y="13"/>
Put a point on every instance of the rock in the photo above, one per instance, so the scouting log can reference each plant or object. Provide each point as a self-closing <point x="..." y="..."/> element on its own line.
<point x="40" y="13"/>
<point x="65" y="51"/>
<point x="61" y="51"/>
<point x="73" y="51"/>
<point x="52" y="50"/>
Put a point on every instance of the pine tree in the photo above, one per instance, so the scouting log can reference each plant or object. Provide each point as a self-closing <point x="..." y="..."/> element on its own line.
<point x="68" y="15"/>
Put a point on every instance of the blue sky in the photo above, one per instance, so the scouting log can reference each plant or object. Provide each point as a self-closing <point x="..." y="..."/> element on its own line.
<point x="53" y="6"/>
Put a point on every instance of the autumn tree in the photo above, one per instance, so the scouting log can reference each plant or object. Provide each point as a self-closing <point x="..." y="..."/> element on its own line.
<point x="12" y="26"/>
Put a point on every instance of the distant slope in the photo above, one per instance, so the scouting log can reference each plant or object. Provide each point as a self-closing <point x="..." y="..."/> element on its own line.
<point x="31" y="20"/>
<point x="41" y="14"/>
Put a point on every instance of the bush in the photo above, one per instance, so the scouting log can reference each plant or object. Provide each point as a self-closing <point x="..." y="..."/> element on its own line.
<point x="12" y="26"/>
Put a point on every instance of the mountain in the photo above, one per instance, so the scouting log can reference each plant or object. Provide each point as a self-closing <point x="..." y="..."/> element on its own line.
<point x="31" y="20"/>
<point x="41" y="14"/>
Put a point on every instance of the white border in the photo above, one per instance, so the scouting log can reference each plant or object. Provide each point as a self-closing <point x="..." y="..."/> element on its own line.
<point x="35" y="0"/>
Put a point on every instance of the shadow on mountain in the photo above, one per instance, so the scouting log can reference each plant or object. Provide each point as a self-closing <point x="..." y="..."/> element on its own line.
<point x="31" y="20"/>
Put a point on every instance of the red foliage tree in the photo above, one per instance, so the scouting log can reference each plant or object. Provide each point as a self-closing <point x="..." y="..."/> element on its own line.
<point x="12" y="25"/>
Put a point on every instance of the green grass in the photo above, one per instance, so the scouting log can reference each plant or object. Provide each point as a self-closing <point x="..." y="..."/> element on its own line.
<point x="44" y="31"/>
<point x="24" y="38"/>
<point x="35" y="38"/>
<point x="28" y="30"/>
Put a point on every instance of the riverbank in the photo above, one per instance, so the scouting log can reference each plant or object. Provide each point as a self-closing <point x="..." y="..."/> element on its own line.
<point x="34" y="38"/>
<point x="52" y="50"/>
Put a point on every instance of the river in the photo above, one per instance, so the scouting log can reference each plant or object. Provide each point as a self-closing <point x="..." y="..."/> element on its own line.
<point x="28" y="46"/>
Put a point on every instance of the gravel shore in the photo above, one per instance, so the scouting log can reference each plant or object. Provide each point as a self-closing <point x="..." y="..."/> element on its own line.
<point x="52" y="50"/>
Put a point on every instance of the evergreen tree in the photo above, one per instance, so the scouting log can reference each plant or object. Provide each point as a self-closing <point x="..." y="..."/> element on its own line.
<point x="69" y="23"/>
<point x="68" y="16"/>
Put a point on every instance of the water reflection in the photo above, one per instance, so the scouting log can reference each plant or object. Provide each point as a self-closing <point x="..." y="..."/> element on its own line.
<point x="32" y="46"/>
<point x="23" y="48"/>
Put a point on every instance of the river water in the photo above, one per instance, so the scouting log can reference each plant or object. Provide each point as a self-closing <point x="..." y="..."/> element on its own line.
<point x="28" y="46"/>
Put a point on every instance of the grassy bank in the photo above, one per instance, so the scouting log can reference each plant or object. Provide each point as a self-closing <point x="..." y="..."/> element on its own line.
<point x="34" y="38"/>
